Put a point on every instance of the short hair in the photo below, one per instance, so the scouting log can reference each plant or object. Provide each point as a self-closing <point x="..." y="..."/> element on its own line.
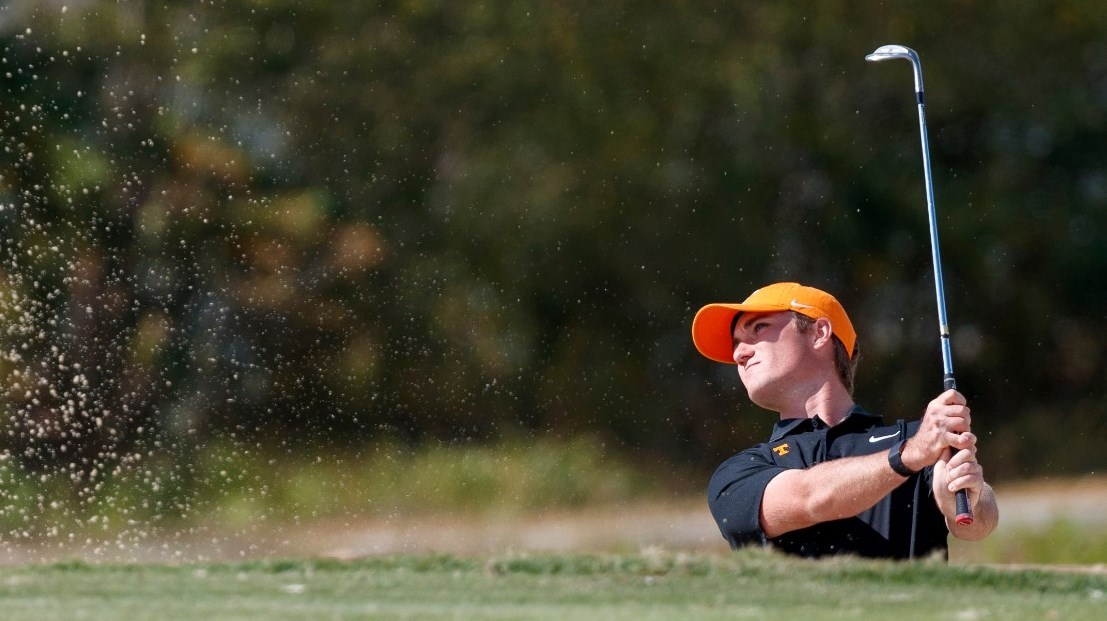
<point x="845" y="364"/>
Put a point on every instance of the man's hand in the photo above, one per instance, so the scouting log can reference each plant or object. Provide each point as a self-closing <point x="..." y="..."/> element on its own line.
<point x="954" y="472"/>
<point x="945" y="441"/>
<point x="945" y="425"/>
<point x="957" y="471"/>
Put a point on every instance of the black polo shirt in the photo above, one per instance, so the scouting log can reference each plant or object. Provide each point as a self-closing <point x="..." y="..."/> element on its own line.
<point x="904" y="524"/>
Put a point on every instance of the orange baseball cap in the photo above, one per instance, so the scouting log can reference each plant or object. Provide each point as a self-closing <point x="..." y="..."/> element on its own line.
<point x="711" y="329"/>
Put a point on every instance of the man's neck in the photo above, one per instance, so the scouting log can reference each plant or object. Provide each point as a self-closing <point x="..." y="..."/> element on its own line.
<point x="832" y="403"/>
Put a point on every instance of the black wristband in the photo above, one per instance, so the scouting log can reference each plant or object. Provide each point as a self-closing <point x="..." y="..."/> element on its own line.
<point x="896" y="461"/>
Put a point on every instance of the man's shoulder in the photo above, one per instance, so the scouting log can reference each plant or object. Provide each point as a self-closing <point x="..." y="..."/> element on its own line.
<point x="861" y="421"/>
<point x="756" y="456"/>
<point x="756" y="453"/>
<point x="870" y="434"/>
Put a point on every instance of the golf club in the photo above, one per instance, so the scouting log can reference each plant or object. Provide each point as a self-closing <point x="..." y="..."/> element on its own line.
<point x="886" y="52"/>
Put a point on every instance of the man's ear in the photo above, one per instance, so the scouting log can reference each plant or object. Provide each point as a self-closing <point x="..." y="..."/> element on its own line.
<point x="822" y="333"/>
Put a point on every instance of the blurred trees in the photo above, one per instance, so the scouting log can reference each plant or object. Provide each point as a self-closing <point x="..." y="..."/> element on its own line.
<point x="300" y="225"/>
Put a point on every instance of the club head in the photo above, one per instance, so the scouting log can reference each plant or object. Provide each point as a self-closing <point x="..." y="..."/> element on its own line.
<point x="887" y="52"/>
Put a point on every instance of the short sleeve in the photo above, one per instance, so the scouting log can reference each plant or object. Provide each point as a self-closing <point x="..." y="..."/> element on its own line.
<point x="734" y="495"/>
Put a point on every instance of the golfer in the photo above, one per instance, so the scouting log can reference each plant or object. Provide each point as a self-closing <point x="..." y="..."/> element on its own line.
<point x="833" y="478"/>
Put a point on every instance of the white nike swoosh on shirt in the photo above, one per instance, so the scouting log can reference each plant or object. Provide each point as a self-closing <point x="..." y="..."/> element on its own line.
<point x="878" y="439"/>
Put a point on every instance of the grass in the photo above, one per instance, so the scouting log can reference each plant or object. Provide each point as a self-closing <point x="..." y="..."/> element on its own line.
<point x="652" y="585"/>
<point x="1057" y="542"/>
<point x="231" y="492"/>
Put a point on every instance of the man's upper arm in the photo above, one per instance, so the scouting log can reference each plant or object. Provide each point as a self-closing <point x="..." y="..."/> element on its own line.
<point x="735" y="492"/>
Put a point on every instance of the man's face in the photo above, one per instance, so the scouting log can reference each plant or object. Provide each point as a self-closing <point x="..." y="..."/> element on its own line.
<point x="774" y="359"/>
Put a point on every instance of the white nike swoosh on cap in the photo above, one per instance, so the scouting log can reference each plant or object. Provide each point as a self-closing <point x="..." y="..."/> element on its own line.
<point x="798" y="305"/>
<point x="878" y="439"/>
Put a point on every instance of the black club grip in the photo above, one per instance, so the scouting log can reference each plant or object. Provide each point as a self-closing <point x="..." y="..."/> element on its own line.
<point x="964" y="510"/>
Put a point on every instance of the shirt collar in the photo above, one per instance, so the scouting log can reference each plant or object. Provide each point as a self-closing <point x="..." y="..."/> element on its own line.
<point x="857" y="417"/>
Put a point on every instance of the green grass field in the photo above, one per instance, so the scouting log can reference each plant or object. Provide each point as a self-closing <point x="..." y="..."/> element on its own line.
<point x="515" y="497"/>
<point x="645" y="586"/>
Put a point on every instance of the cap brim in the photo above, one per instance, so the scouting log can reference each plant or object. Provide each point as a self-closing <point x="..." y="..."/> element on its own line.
<point x="711" y="328"/>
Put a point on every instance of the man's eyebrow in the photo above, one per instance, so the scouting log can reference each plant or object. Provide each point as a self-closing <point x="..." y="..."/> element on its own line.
<point x="750" y="318"/>
<point x="734" y="322"/>
<point x="743" y="324"/>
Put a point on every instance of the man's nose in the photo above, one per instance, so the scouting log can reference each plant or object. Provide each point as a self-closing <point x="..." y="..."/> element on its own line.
<point x="742" y="353"/>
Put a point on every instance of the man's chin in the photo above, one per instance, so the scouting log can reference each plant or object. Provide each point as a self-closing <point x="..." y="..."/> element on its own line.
<point x="758" y="397"/>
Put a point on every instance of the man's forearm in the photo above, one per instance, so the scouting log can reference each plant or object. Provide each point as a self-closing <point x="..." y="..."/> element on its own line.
<point x="832" y="490"/>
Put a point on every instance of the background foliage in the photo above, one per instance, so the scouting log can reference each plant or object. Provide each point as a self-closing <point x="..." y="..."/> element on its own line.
<point x="302" y="228"/>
